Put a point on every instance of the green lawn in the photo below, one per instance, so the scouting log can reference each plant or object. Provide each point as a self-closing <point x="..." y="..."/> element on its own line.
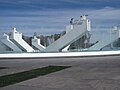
<point x="22" y="76"/>
<point x="3" y="67"/>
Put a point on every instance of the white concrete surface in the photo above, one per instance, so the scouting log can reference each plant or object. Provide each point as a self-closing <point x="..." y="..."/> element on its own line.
<point x="36" y="43"/>
<point x="16" y="38"/>
<point x="78" y="30"/>
<point x="5" y="40"/>
<point x="60" y="54"/>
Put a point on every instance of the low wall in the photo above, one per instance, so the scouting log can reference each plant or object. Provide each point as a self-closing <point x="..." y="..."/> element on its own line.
<point x="61" y="54"/>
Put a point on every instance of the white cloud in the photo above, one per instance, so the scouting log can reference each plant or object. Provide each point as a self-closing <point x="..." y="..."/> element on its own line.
<point x="105" y="13"/>
<point x="55" y="20"/>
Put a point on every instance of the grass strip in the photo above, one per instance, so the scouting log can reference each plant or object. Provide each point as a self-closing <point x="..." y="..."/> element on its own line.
<point x="22" y="76"/>
<point x="3" y="67"/>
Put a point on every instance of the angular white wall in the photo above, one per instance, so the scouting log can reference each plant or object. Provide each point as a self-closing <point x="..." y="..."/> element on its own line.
<point x="106" y="39"/>
<point x="16" y="38"/>
<point x="77" y="30"/>
<point x="5" y="39"/>
<point x="36" y="44"/>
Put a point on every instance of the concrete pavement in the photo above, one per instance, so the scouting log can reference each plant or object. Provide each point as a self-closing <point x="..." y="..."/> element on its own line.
<point x="86" y="73"/>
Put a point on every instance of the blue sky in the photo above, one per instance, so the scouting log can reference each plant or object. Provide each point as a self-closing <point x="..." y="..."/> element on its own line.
<point x="51" y="16"/>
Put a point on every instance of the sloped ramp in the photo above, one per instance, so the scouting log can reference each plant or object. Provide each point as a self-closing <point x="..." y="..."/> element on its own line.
<point x="106" y="40"/>
<point x="76" y="32"/>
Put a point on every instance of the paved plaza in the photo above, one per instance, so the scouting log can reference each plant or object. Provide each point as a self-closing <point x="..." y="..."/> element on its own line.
<point x="86" y="73"/>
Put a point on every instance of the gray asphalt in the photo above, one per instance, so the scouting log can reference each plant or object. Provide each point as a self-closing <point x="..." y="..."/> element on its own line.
<point x="86" y="73"/>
